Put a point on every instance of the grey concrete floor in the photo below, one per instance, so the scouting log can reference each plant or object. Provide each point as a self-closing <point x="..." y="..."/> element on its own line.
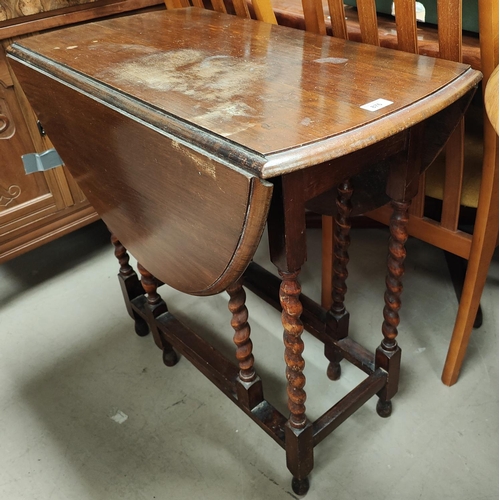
<point x="88" y="410"/>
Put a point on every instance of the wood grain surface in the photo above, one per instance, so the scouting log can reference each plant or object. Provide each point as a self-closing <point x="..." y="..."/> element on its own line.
<point x="170" y="134"/>
<point x="10" y="9"/>
<point x="291" y="96"/>
<point x="190" y="220"/>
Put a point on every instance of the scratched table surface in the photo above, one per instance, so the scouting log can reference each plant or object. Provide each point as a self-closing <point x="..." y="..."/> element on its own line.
<point x="275" y="91"/>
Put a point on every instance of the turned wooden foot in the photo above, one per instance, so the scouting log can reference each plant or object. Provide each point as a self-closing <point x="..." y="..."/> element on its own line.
<point x="384" y="408"/>
<point x="334" y="370"/>
<point x="170" y="357"/>
<point x="300" y="486"/>
<point x="141" y="327"/>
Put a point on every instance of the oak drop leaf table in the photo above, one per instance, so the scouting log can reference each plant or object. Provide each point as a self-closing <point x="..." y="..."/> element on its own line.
<point x="190" y="130"/>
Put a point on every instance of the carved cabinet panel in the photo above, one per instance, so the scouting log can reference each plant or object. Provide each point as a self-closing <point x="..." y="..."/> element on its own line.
<point x="35" y="208"/>
<point x="10" y="9"/>
<point x="40" y="207"/>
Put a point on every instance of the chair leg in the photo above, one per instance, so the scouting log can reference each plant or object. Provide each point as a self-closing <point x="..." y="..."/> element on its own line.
<point x="484" y="241"/>
<point x="457" y="267"/>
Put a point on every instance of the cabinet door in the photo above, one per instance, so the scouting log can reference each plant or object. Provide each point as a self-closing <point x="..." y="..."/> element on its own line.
<point x="19" y="193"/>
<point x="38" y="207"/>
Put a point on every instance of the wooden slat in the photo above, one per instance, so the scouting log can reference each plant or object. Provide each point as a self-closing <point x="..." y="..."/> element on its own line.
<point x="450" y="47"/>
<point x="406" y="25"/>
<point x="338" y="18"/>
<point x="314" y="16"/>
<point x="218" y="6"/>
<point x="368" y="22"/>
<point x="454" y="173"/>
<point x="488" y="36"/>
<point x="241" y="8"/>
<point x="450" y="29"/>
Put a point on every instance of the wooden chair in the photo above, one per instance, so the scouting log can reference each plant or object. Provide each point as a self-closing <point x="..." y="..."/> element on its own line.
<point x="444" y="233"/>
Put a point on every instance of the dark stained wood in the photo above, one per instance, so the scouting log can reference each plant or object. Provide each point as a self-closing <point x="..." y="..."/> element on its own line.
<point x="395" y="270"/>
<point x="43" y="206"/>
<point x="155" y="306"/>
<point x="130" y="285"/>
<point x="241" y="328"/>
<point x="266" y="285"/>
<point x="294" y="346"/>
<point x="342" y="242"/>
<point x="122" y="256"/>
<point x="389" y="353"/>
<point x="302" y="64"/>
<point x="150" y="286"/>
<point x="219" y="370"/>
<point x="338" y="317"/>
<point x="225" y="207"/>
<point x="341" y="411"/>
<point x="299" y="455"/>
<point x="173" y="140"/>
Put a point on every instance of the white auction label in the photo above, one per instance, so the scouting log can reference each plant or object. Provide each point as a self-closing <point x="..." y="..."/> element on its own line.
<point x="376" y="105"/>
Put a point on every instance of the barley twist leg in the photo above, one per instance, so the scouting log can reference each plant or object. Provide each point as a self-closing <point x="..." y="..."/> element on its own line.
<point x="339" y="318"/>
<point x="388" y="354"/>
<point x="156" y="306"/>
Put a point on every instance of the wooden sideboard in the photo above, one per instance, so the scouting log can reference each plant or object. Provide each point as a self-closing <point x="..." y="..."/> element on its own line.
<point x="40" y="207"/>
